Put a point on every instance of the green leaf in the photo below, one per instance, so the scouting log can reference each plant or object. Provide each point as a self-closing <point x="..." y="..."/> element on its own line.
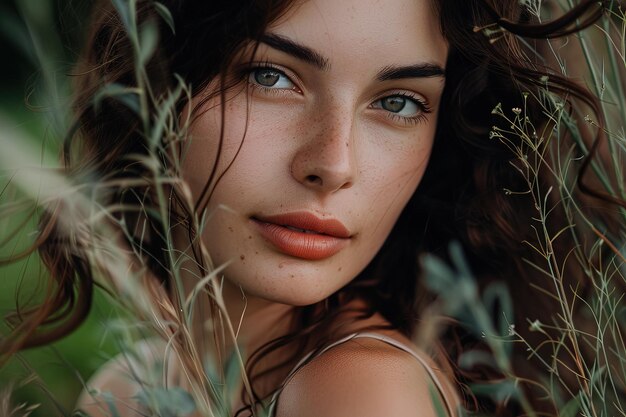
<point x="124" y="10"/>
<point x="571" y="408"/>
<point x="233" y="372"/>
<point x="498" y="392"/>
<point x="469" y="359"/>
<point x="496" y="298"/>
<point x="166" y="109"/>
<point x="148" y="40"/>
<point x="173" y="402"/>
<point x="439" y="277"/>
<point x="125" y="95"/>
<point x="456" y="287"/>
<point x="459" y="262"/>
<point x="435" y="398"/>
<point x="165" y="15"/>
<point x="598" y="374"/>
<point x="110" y="400"/>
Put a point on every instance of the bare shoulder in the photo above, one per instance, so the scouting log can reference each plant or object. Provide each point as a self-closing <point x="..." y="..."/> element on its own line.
<point x="116" y="384"/>
<point x="366" y="378"/>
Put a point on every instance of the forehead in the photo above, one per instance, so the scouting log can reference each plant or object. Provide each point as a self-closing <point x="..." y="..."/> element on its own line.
<point x="393" y="31"/>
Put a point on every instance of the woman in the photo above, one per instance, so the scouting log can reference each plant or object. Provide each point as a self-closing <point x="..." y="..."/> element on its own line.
<point x="311" y="126"/>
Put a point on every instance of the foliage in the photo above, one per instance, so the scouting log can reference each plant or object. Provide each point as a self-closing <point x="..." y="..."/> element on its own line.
<point x="588" y="331"/>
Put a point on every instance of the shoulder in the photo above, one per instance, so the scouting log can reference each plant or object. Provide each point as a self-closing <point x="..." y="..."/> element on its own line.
<point x="115" y="385"/>
<point x="363" y="377"/>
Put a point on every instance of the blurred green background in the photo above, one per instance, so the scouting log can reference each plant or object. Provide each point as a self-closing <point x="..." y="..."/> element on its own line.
<point x="31" y="30"/>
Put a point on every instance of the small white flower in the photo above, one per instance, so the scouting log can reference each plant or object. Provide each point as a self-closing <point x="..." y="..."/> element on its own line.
<point x="511" y="329"/>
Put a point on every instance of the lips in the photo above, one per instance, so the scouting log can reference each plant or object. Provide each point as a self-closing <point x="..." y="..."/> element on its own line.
<point x="303" y="235"/>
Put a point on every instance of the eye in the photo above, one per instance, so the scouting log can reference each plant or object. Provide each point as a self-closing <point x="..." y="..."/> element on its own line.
<point x="268" y="77"/>
<point x="401" y="105"/>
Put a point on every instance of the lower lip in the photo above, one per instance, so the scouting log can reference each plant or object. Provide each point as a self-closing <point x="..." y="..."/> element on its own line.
<point x="310" y="246"/>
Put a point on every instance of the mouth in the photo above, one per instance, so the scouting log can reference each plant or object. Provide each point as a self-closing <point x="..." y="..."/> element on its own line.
<point x="303" y="235"/>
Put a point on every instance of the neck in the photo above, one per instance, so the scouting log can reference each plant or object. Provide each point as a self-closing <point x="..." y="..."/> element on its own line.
<point x="235" y="320"/>
<point x="254" y="321"/>
<point x="235" y="329"/>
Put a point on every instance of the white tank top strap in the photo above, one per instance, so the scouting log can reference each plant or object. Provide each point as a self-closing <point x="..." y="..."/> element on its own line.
<point x="383" y="338"/>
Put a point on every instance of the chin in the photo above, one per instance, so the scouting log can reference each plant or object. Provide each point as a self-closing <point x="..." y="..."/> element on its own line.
<point x="293" y="293"/>
<point x="299" y="300"/>
<point x="290" y="285"/>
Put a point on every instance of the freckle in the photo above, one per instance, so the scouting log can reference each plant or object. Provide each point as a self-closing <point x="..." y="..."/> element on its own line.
<point x="256" y="253"/>
<point x="250" y="237"/>
<point x="292" y="276"/>
<point x="231" y="229"/>
<point x="340" y="268"/>
<point x="242" y="257"/>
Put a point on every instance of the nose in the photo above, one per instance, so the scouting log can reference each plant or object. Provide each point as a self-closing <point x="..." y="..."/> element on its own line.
<point x="325" y="162"/>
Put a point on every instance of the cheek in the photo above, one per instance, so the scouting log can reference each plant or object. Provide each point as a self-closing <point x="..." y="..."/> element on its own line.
<point x="397" y="164"/>
<point x="393" y="179"/>
<point x="210" y="149"/>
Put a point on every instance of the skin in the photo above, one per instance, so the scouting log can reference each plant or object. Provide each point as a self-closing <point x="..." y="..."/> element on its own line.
<point x="316" y="142"/>
<point x="322" y="138"/>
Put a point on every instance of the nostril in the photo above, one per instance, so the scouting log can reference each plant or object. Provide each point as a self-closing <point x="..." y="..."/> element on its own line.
<point x="314" y="179"/>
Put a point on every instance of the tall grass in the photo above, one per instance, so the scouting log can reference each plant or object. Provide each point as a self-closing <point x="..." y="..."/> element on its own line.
<point x="596" y="348"/>
<point x="584" y="342"/>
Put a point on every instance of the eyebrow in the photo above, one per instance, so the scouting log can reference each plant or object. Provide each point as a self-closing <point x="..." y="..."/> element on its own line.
<point x="425" y="70"/>
<point x="312" y="57"/>
<point x="292" y="48"/>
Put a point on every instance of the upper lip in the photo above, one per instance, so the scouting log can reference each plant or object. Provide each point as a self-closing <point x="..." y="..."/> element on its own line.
<point x="308" y="221"/>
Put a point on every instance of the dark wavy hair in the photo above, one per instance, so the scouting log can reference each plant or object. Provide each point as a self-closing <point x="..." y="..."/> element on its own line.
<point x="491" y="61"/>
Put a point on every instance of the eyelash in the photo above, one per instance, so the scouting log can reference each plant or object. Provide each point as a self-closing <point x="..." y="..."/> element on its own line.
<point x="407" y="120"/>
<point x="422" y="104"/>
<point x="247" y="72"/>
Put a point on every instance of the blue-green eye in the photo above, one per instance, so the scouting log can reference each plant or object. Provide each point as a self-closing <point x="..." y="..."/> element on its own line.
<point x="270" y="78"/>
<point x="400" y="105"/>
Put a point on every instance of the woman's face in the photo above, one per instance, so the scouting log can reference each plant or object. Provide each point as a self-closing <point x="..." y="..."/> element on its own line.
<point x="324" y="147"/>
